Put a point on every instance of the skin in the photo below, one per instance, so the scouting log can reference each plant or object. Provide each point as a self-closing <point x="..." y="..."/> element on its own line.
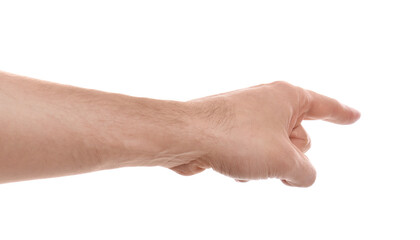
<point x="51" y="130"/>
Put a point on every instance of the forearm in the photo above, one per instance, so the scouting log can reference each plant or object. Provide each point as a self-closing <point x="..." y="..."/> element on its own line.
<point x="52" y="130"/>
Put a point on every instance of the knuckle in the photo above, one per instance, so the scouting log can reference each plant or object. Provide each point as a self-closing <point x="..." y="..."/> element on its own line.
<point x="281" y="84"/>
<point x="305" y="99"/>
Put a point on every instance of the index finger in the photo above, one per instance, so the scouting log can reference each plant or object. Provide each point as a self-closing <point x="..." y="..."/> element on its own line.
<point x="329" y="109"/>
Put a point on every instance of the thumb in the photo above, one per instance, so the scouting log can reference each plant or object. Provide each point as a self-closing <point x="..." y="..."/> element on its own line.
<point x="303" y="174"/>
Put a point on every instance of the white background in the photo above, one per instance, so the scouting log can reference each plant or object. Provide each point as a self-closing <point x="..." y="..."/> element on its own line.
<point x="364" y="53"/>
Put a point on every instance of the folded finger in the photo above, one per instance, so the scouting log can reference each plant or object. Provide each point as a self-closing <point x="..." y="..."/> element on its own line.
<point x="300" y="138"/>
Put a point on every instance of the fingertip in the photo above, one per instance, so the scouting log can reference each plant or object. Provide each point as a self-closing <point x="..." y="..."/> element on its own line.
<point x="355" y="115"/>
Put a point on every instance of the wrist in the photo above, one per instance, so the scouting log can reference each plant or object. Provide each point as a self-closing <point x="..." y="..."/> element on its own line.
<point x="155" y="133"/>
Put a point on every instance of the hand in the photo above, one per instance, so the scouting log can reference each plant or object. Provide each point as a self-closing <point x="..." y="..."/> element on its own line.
<point x="256" y="133"/>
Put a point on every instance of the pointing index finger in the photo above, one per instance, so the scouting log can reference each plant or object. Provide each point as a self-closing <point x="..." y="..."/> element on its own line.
<point x="329" y="109"/>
